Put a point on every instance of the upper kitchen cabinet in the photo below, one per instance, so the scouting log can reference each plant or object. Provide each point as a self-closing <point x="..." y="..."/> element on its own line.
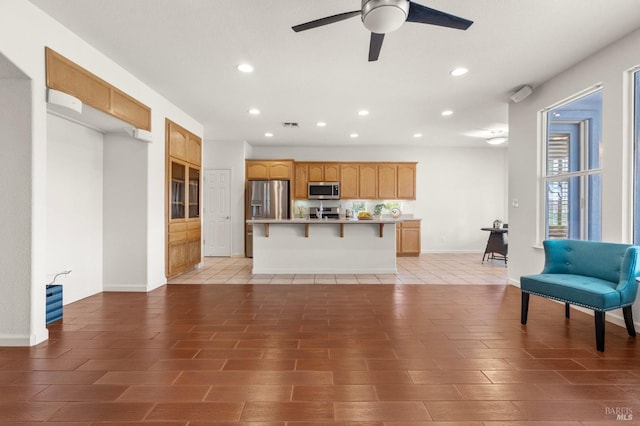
<point x="368" y="181"/>
<point x="406" y="173"/>
<point x="397" y="181"/>
<point x="68" y="77"/>
<point x="269" y="169"/>
<point x="349" y="177"/>
<point x="183" y="145"/>
<point x="387" y="181"/>
<point x="324" y="172"/>
<point x="313" y="172"/>
<point x="300" y="181"/>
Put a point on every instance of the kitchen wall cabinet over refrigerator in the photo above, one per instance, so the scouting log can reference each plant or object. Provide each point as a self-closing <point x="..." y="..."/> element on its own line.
<point x="269" y="169"/>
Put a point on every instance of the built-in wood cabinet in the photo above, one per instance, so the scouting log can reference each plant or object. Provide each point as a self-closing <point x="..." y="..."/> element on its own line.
<point x="300" y="181"/>
<point x="387" y="181"/>
<point x="368" y="181"/>
<point x="66" y="76"/>
<point x="269" y="169"/>
<point x="364" y="181"/>
<point x="184" y="228"/>
<point x="349" y="178"/>
<point x="406" y="181"/>
<point x="324" y="172"/>
<point x="408" y="238"/>
<point x="313" y="172"/>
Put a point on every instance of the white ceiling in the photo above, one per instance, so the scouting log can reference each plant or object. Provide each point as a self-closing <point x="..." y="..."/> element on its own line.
<point x="188" y="51"/>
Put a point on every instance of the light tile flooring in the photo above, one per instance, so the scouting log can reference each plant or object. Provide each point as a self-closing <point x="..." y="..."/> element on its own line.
<point x="436" y="268"/>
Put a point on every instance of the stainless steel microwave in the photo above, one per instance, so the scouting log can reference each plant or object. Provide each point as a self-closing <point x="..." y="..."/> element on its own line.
<point x="324" y="191"/>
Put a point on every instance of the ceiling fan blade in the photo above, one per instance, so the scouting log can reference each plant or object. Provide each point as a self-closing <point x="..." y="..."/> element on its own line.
<point x="375" y="45"/>
<point x="426" y="15"/>
<point x="325" y="21"/>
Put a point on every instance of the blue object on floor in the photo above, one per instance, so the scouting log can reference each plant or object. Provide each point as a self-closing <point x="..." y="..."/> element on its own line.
<point x="54" y="303"/>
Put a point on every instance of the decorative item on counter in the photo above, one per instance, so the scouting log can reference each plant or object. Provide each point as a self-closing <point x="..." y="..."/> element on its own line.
<point x="396" y="212"/>
<point x="301" y="211"/>
<point x="364" y="216"/>
<point x="377" y="210"/>
<point x="497" y="224"/>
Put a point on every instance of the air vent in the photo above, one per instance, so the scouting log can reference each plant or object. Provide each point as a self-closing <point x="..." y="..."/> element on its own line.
<point x="290" y="124"/>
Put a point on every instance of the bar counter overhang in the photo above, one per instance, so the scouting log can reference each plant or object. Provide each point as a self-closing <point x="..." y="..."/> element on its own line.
<point x="324" y="246"/>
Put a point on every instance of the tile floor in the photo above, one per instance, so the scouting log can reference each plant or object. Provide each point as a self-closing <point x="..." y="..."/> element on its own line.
<point x="324" y="354"/>
<point x="465" y="268"/>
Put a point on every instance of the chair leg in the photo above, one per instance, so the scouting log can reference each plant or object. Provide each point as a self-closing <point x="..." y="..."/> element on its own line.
<point x="566" y="310"/>
<point x="628" y="320"/>
<point x="525" y="308"/>
<point x="599" y="318"/>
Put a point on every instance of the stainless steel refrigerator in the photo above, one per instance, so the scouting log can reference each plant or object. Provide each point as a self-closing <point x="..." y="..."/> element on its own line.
<point x="265" y="199"/>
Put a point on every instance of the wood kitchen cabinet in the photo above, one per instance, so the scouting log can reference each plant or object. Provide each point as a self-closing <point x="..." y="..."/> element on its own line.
<point x="313" y="172"/>
<point x="300" y="181"/>
<point x="66" y="76"/>
<point x="349" y="177"/>
<point x="269" y="169"/>
<point x="408" y="238"/>
<point x="406" y="181"/>
<point x="324" y="172"/>
<point x="387" y="181"/>
<point x="184" y="228"/>
<point x="368" y="181"/>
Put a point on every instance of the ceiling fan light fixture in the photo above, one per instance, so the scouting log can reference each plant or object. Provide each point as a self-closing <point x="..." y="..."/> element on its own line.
<point x="497" y="140"/>
<point x="384" y="16"/>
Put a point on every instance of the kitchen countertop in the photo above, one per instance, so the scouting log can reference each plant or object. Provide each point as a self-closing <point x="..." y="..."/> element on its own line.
<point x="312" y="220"/>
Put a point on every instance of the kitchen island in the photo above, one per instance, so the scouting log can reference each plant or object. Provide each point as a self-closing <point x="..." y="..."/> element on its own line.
<point x="324" y="246"/>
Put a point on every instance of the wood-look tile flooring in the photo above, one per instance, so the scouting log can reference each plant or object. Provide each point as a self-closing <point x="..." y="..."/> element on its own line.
<point x="324" y="354"/>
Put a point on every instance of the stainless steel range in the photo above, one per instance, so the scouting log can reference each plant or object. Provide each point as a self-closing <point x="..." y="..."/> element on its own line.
<point x="324" y="212"/>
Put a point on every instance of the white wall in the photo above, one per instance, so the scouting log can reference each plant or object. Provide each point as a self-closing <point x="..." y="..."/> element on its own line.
<point x="125" y="213"/>
<point x="74" y="207"/>
<point x="18" y="324"/>
<point x="458" y="190"/>
<point x="230" y="156"/>
<point x="608" y="67"/>
<point x="24" y="32"/>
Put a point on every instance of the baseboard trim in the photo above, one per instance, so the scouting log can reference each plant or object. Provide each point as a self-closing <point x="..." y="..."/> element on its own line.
<point x="23" y="340"/>
<point x="125" y="288"/>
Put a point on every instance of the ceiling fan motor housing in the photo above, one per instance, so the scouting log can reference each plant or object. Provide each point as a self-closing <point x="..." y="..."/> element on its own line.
<point x="384" y="16"/>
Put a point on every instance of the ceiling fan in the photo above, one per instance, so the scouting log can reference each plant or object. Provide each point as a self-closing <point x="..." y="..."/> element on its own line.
<point x="383" y="16"/>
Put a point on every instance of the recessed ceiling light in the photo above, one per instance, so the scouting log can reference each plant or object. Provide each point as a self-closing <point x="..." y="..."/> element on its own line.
<point x="268" y="135"/>
<point x="353" y="135"/>
<point x="497" y="140"/>
<point x="417" y="135"/>
<point x="321" y="124"/>
<point x="363" y="113"/>
<point x="459" y="71"/>
<point x="245" y="68"/>
<point x="254" y="111"/>
<point x="447" y="112"/>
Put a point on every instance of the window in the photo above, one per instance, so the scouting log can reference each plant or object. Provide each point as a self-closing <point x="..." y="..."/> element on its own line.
<point x="636" y="146"/>
<point x="572" y="173"/>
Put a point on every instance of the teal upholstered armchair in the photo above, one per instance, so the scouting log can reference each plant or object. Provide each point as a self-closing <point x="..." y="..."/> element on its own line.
<point x="596" y="275"/>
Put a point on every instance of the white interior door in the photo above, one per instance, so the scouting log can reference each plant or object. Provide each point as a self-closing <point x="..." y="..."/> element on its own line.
<point x="217" y="213"/>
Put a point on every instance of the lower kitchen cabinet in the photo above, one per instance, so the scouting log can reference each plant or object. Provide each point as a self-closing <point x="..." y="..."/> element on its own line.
<point x="408" y="238"/>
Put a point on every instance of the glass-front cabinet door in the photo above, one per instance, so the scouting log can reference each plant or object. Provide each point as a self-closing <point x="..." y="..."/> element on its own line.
<point x="178" y="195"/>
<point x="194" y="193"/>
